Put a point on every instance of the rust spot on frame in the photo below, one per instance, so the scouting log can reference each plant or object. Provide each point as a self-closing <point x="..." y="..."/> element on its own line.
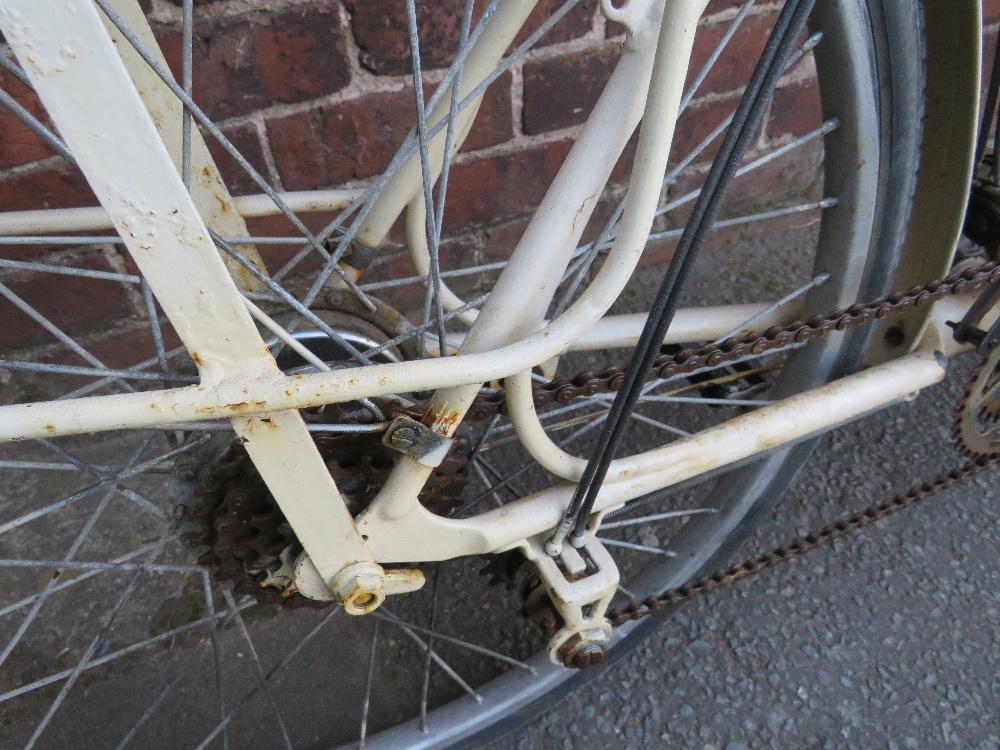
<point x="237" y="407"/>
<point x="444" y="423"/>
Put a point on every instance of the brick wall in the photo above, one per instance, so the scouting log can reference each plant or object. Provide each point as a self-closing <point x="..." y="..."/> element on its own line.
<point x="317" y="93"/>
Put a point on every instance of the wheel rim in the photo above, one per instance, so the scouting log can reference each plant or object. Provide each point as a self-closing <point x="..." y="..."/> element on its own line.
<point x="516" y="688"/>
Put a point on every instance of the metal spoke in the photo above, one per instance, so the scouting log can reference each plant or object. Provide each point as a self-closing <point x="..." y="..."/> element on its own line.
<point x="514" y="475"/>
<point x="52" y="507"/>
<point x="825" y="129"/>
<point x="87" y="491"/>
<point x="471" y="270"/>
<point x="93" y="372"/>
<point x="430" y="217"/>
<point x="154" y="326"/>
<point x="657" y="517"/>
<point x="35" y="126"/>
<point x="74" y="580"/>
<point x="139" y="367"/>
<point x="656" y="423"/>
<point x="369" y="679"/>
<point x="299" y="307"/>
<point x="66" y="270"/>
<point x="700" y="400"/>
<point x="114" y="655"/>
<point x="636" y="547"/>
<point x="425" y="683"/>
<point x="410" y="632"/>
<point x="97" y="565"/>
<point x="13" y="68"/>
<point x="181" y="673"/>
<point x="364" y="203"/>
<point x="187" y="81"/>
<point x="206" y="582"/>
<point x="489" y="485"/>
<point x="130" y="589"/>
<point x="431" y="633"/>
<point x="284" y="662"/>
<point x="52" y="328"/>
<point x="627" y="593"/>
<point x="67" y="560"/>
<point x="259" y="669"/>
<point x="716" y="54"/>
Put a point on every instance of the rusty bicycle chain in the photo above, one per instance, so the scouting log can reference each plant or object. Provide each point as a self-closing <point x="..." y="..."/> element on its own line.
<point x="563" y="390"/>
<point x="754" y="566"/>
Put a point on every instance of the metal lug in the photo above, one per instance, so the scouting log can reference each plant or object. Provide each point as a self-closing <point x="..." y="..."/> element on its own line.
<point x="421" y="443"/>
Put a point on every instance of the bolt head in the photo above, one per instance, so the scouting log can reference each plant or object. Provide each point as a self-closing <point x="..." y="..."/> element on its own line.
<point x="403" y="437"/>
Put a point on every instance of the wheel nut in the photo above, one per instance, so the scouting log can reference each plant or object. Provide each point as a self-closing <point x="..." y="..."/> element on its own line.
<point x="588" y="656"/>
<point x="359" y="588"/>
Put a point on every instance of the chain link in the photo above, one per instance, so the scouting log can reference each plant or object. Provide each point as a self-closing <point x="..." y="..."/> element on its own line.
<point x="564" y="390"/>
<point x="754" y="566"/>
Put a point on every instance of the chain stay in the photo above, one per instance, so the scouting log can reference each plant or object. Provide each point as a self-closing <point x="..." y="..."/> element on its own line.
<point x="686" y="361"/>
<point x="564" y="390"/>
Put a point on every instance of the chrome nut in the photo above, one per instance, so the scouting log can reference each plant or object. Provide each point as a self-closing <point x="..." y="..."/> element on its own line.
<point x="359" y="588"/>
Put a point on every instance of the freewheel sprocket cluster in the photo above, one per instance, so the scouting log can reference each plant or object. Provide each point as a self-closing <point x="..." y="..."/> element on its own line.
<point x="244" y="537"/>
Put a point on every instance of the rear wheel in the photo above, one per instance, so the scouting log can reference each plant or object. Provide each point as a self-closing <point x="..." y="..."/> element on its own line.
<point x="182" y="659"/>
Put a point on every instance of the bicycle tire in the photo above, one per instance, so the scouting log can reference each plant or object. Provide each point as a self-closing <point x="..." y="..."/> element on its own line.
<point x="886" y="83"/>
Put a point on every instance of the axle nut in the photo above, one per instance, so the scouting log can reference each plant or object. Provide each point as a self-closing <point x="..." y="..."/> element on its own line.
<point x="359" y="588"/>
<point x="584" y="649"/>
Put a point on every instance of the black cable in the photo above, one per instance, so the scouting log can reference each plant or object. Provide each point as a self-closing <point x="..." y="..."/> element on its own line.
<point x="990" y="115"/>
<point x="746" y="119"/>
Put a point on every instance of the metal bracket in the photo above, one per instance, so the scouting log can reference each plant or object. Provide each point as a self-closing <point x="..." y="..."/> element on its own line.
<point x="970" y="329"/>
<point x="419" y="442"/>
<point x="581" y="583"/>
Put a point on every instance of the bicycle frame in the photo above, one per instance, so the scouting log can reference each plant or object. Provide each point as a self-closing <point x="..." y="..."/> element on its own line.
<point x="64" y="47"/>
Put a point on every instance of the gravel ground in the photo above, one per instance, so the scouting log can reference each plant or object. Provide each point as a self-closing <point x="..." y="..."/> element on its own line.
<point x="884" y="640"/>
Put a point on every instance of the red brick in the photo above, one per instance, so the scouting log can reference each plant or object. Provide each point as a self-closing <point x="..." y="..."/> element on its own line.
<point x="358" y="138"/>
<point x="19" y="145"/>
<point x="991" y="11"/>
<point x="275" y="256"/>
<point x="455" y="253"/>
<point x="347" y="141"/>
<point x="57" y="186"/>
<point x="380" y="30"/>
<point x="550" y="103"/>
<point x="77" y="305"/>
<point x="494" y="121"/>
<point x="733" y="68"/>
<point x="696" y="123"/>
<point x="122" y="349"/>
<point x="247" y="141"/>
<point x="795" y="109"/>
<point x="501" y="239"/>
<point x="488" y="189"/>
<point x="248" y="62"/>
